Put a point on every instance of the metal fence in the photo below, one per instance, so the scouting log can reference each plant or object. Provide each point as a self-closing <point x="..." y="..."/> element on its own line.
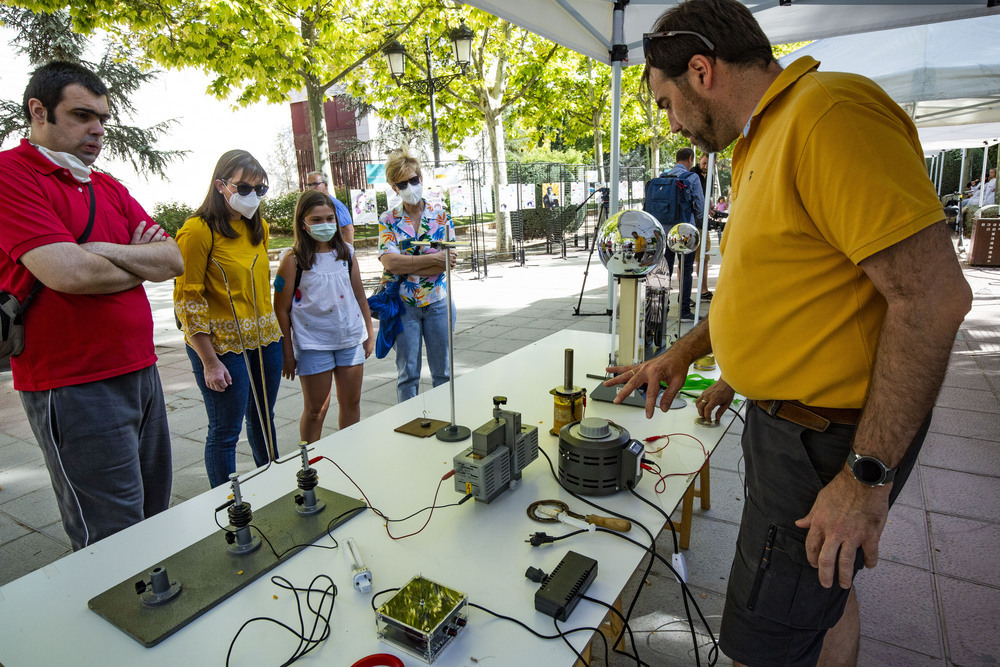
<point x="550" y="206"/>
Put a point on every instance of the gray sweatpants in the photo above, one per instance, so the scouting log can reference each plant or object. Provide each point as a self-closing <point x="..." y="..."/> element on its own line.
<point x="107" y="448"/>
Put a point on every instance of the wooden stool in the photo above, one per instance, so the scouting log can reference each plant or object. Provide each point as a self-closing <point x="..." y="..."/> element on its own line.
<point x="610" y="628"/>
<point x="703" y="491"/>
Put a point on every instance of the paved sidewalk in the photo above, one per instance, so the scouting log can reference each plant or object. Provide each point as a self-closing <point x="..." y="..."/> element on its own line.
<point x="934" y="598"/>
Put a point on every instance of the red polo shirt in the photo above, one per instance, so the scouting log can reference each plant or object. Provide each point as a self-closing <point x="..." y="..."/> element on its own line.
<point x="69" y="338"/>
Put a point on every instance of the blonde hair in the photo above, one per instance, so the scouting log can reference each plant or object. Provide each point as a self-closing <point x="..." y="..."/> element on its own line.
<point x="399" y="161"/>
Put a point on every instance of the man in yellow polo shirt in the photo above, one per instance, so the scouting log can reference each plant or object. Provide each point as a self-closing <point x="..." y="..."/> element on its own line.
<point x="838" y="300"/>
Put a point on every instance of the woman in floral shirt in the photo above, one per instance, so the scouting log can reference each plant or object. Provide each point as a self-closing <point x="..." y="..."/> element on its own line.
<point x="420" y="269"/>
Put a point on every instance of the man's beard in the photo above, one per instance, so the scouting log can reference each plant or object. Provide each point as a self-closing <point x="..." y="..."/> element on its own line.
<point x="706" y="138"/>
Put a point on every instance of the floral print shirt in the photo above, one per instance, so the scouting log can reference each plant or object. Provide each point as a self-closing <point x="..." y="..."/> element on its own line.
<point x="396" y="230"/>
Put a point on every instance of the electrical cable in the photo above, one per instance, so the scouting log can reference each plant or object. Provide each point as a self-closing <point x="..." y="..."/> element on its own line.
<point x="652" y="539"/>
<point x="381" y="515"/>
<point x="631" y="638"/>
<point x="306" y="642"/>
<point x="655" y="555"/>
<point x="555" y="624"/>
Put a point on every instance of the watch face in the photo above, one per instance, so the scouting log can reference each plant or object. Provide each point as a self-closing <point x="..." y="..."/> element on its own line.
<point x="868" y="470"/>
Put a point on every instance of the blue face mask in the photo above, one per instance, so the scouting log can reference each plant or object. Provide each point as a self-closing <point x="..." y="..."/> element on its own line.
<point x="323" y="231"/>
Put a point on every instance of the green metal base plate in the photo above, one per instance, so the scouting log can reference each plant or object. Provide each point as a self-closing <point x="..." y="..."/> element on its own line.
<point x="208" y="574"/>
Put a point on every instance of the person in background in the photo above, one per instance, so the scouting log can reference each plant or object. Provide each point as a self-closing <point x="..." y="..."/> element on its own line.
<point x="76" y="250"/>
<point x="223" y="303"/>
<point x="682" y="170"/>
<point x="421" y="269"/>
<point x="323" y="313"/>
<point x="835" y="316"/>
<point x="317" y="181"/>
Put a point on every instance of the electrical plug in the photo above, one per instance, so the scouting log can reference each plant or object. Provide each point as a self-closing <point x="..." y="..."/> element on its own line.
<point x="538" y="539"/>
<point x="535" y="575"/>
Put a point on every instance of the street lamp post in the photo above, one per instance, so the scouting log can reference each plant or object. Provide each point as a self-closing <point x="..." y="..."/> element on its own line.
<point x="395" y="53"/>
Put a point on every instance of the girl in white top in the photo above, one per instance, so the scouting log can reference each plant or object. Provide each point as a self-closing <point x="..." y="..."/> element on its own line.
<point x="323" y="314"/>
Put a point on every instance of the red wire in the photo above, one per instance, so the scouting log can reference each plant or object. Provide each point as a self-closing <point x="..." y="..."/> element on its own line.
<point x="661" y="482"/>
<point x="447" y="475"/>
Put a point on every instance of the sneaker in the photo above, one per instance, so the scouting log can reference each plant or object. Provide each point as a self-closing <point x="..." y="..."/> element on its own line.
<point x="687" y="317"/>
<point x="706" y="296"/>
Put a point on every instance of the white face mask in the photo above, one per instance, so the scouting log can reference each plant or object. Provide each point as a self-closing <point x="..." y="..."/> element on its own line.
<point x="323" y="231"/>
<point x="245" y="205"/>
<point x="412" y="194"/>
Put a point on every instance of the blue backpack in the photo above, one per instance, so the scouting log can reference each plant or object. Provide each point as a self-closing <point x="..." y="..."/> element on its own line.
<point x="669" y="199"/>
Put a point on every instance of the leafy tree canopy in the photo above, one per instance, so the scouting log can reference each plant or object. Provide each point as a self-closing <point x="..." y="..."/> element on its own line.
<point x="44" y="37"/>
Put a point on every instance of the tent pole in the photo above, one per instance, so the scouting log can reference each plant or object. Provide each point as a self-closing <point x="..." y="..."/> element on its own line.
<point x="982" y="177"/>
<point x="618" y="53"/>
<point x="703" y="258"/>
<point x="961" y="190"/>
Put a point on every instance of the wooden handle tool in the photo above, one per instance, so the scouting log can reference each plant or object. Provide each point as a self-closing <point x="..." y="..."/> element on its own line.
<point x="618" y="525"/>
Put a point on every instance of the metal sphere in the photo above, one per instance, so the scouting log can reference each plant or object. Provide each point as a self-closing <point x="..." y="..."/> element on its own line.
<point x="683" y="238"/>
<point x="630" y="243"/>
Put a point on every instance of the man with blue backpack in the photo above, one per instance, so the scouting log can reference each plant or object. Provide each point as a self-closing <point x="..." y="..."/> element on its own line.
<point x="675" y="197"/>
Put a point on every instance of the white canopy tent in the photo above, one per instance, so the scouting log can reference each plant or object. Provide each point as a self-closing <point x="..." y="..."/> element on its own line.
<point x="946" y="75"/>
<point x="943" y="74"/>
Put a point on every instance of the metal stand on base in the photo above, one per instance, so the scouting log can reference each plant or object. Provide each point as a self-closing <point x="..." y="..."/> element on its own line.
<point x="452" y="432"/>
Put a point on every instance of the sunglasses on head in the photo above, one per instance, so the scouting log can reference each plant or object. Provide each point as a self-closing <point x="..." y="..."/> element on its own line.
<point x="243" y="189"/>
<point x="412" y="181"/>
<point x="647" y="39"/>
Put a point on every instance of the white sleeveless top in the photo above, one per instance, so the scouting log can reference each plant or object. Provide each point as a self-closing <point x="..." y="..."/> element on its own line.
<point x="325" y="312"/>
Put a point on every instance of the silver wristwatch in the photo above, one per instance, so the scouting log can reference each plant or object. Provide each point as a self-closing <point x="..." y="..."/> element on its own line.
<point x="869" y="470"/>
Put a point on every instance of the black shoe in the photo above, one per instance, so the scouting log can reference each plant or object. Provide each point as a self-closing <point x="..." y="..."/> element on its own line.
<point x="706" y="296"/>
<point x="687" y="317"/>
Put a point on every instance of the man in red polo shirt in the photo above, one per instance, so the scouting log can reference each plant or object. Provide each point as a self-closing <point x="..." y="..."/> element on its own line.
<point x="76" y="248"/>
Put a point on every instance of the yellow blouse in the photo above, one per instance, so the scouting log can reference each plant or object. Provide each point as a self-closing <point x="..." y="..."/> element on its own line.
<point x="200" y="299"/>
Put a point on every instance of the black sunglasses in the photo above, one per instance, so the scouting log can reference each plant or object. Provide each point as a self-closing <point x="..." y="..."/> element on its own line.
<point x="647" y="39"/>
<point x="315" y="184"/>
<point x="245" y="189"/>
<point x="412" y="181"/>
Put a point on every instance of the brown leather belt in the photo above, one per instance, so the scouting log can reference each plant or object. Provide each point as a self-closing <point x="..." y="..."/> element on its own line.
<point x="808" y="416"/>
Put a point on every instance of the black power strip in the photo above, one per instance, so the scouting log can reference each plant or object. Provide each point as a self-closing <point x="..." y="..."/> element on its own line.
<point x="561" y="591"/>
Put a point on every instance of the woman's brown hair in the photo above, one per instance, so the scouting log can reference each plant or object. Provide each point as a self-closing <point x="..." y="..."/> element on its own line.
<point x="214" y="210"/>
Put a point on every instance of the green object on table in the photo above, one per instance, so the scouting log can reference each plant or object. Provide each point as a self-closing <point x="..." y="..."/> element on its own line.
<point x="695" y="384"/>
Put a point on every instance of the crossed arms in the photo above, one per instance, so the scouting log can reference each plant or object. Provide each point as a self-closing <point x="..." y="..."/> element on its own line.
<point x="105" y="268"/>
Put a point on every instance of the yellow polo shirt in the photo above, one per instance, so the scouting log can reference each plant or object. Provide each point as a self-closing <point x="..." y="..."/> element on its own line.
<point x="830" y="172"/>
<point x="200" y="298"/>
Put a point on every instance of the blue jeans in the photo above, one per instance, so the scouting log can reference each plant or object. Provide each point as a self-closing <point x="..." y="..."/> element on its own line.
<point x="227" y="410"/>
<point x="431" y="324"/>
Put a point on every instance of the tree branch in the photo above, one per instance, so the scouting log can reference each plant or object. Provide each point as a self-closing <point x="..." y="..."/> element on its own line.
<point x="531" y="81"/>
<point x="376" y="50"/>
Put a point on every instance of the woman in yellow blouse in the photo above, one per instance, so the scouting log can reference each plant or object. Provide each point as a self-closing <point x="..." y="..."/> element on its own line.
<point x="231" y="331"/>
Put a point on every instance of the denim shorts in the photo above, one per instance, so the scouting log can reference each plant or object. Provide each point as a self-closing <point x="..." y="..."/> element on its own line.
<point x="776" y="611"/>
<point x="312" y="362"/>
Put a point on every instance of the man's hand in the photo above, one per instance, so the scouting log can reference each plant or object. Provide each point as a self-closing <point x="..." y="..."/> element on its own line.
<point x="715" y="400"/>
<point x="846" y="515"/>
<point x="668" y="367"/>
<point x="151" y="235"/>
